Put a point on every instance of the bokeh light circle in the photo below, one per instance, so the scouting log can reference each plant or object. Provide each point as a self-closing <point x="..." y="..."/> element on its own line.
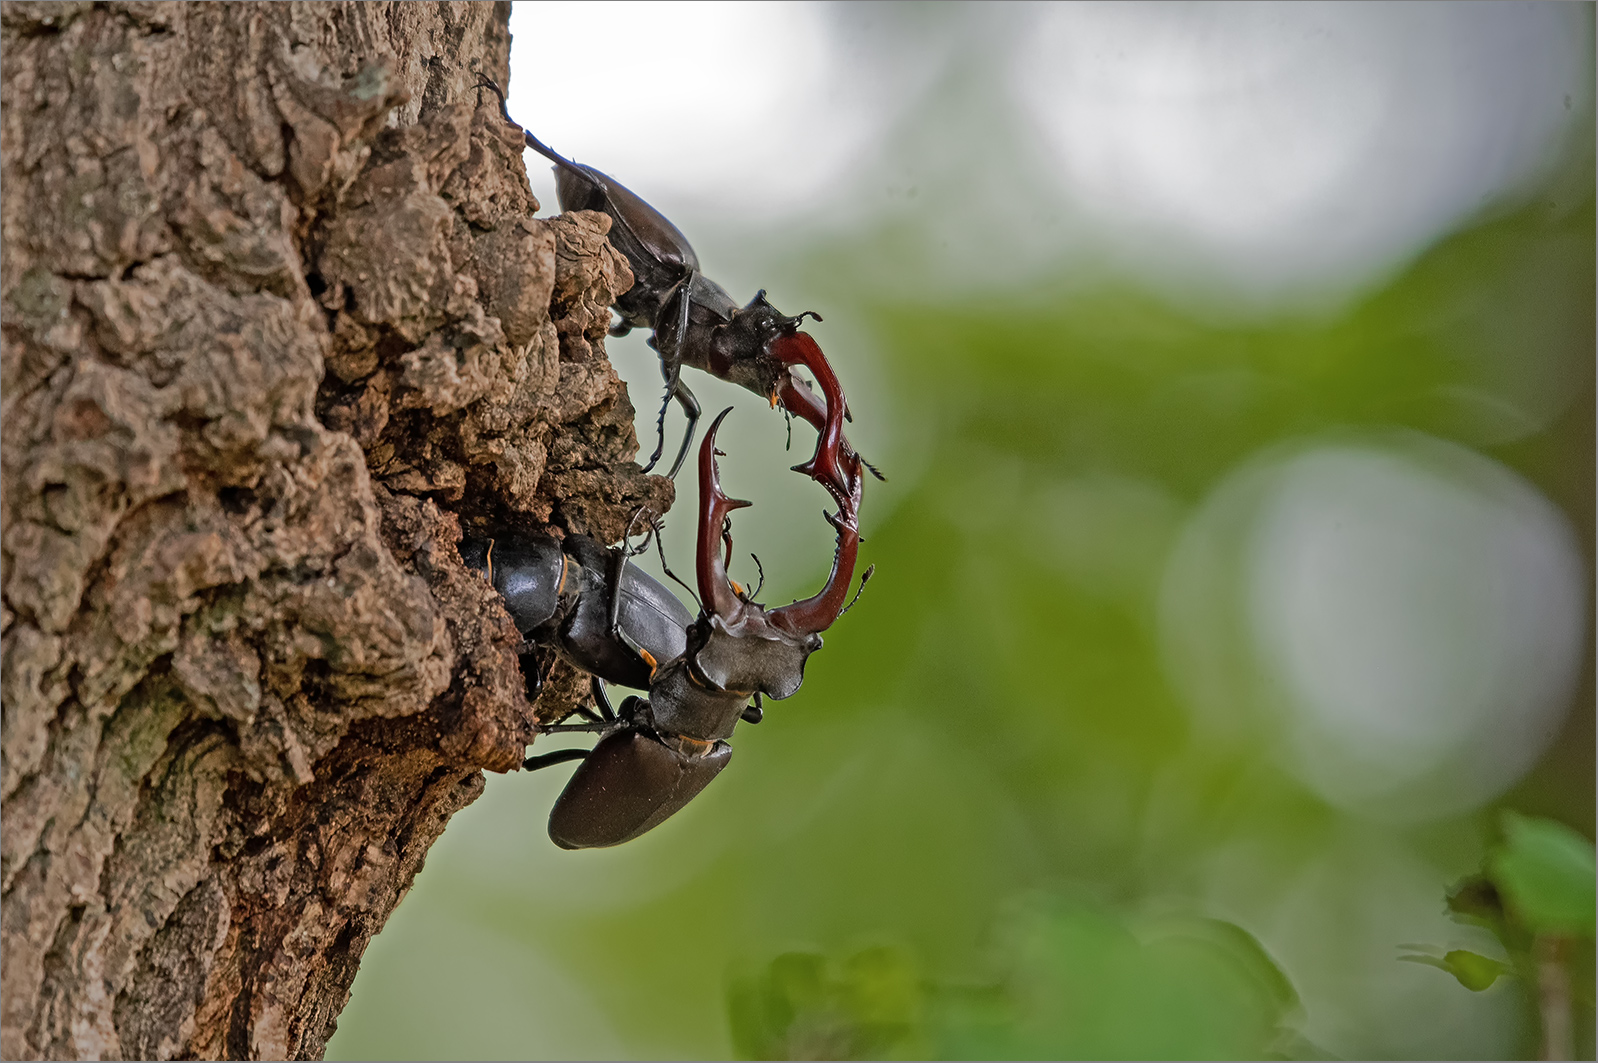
<point x="1402" y="617"/>
<point x="1291" y="145"/>
<point x="741" y="106"/>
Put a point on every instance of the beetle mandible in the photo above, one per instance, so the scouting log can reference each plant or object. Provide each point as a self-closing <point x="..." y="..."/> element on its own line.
<point x="593" y="606"/>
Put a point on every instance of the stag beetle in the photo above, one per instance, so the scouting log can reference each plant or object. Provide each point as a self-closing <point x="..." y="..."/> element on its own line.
<point x="695" y="321"/>
<point x="595" y="607"/>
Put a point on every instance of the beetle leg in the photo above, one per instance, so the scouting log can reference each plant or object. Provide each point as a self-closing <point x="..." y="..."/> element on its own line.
<point x="486" y="82"/>
<point x="685" y="304"/>
<point x="618" y="567"/>
<point x="651" y="526"/>
<point x="726" y="543"/>
<point x="660" y="424"/>
<point x="679" y="390"/>
<point x="559" y="756"/>
<point x="690" y="407"/>
<point x="671" y="369"/>
<point x="587" y="714"/>
<point x="602" y="700"/>
<point x="619" y="557"/>
<point x="665" y="566"/>
<point x="669" y="346"/>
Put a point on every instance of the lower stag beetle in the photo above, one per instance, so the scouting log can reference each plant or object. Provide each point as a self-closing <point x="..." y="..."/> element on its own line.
<point x="695" y="321"/>
<point x="591" y="605"/>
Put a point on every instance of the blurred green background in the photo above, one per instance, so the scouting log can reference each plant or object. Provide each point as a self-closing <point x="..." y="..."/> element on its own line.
<point x="1224" y="597"/>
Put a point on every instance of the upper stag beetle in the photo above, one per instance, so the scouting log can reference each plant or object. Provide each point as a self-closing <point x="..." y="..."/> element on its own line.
<point x="593" y="606"/>
<point x="695" y="321"/>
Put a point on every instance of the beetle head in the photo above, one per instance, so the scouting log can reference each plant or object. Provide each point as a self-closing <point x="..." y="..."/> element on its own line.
<point x="740" y="350"/>
<point x="630" y="783"/>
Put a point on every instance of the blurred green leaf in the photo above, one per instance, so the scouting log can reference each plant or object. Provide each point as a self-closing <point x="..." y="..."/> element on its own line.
<point x="802" y="1007"/>
<point x="1474" y="971"/>
<point x="1548" y="875"/>
<point x="881" y="988"/>
<point x="761" y="1007"/>
<point x="1247" y="955"/>
<point x="1081" y="982"/>
<point x="1088" y="984"/>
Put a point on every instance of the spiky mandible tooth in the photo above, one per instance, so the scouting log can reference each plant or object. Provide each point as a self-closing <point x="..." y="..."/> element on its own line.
<point x="797" y="399"/>
<point x="715" y="589"/>
<point x="834" y="464"/>
<point x="816" y="614"/>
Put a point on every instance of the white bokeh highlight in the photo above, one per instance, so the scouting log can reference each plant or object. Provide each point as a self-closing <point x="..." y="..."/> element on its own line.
<point x="1247" y="154"/>
<point x="1425" y="618"/>
<point x="1401" y="618"/>
<point x="731" y="106"/>
<point x="1298" y="144"/>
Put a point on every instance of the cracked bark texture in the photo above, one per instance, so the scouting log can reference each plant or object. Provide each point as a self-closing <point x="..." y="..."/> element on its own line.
<point x="278" y="322"/>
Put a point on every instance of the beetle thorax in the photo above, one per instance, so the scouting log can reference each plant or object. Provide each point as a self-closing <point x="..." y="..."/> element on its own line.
<point x="680" y="703"/>
<point x="747" y="653"/>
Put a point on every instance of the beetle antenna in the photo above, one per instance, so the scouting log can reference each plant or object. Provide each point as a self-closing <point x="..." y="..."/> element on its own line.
<point x="660" y="543"/>
<point x="585" y="712"/>
<point x="760" y="569"/>
<point x="867" y="574"/>
<point x="726" y="541"/>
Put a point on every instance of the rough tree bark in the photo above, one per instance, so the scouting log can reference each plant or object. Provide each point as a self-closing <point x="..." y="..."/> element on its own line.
<point x="278" y="322"/>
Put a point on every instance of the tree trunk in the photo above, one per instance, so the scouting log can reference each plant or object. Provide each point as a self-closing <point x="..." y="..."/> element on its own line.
<point x="278" y="322"/>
